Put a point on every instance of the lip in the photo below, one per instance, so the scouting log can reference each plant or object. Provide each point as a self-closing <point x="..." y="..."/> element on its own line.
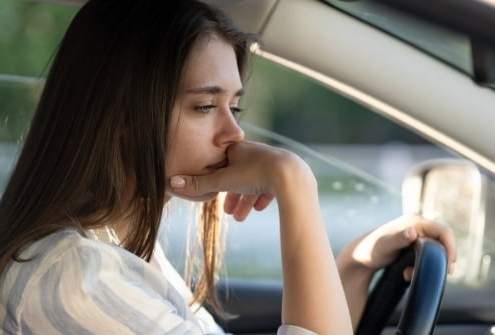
<point x="223" y="163"/>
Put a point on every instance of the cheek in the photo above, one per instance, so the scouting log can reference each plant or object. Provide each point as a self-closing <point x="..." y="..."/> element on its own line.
<point x="188" y="149"/>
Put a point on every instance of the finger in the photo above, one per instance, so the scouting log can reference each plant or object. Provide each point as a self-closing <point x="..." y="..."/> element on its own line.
<point x="244" y="206"/>
<point x="231" y="200"/>
<point x="445" y="235"/>
<point x="408" y="273"/>
<point x="263" y="201"/>
<point x="196" y="185"/>
<point x="402" y="238"/>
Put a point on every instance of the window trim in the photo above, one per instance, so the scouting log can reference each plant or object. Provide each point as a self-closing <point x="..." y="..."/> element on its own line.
<point x="470" y="75"/>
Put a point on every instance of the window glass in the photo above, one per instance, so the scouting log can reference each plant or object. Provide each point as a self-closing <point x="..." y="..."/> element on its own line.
<point x="17" y="100"/>
<point x="359" y="158"/>
<point x="29" y="34"/>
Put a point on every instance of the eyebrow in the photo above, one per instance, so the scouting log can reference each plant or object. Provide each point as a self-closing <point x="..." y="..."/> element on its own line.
<point x="213" y="90"/>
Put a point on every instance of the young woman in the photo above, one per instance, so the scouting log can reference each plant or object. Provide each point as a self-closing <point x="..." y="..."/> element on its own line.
<point x="140" y="106"/>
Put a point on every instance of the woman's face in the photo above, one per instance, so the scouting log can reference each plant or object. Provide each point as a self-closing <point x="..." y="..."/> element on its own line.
<point x="203" y="121"/>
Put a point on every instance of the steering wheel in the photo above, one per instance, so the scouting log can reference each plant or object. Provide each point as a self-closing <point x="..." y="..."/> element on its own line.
<point x="425" y="295"/>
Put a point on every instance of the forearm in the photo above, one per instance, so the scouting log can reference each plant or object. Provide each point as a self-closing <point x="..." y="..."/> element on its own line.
<point x="356" y="281"/>
<point x="313" y="296"/>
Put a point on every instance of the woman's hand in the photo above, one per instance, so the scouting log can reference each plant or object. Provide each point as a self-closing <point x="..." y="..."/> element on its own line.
<point x="360" y="259"/>
<point x="240" y="205"/>
<point x="381" y="247"/>
<point x="255" y="174"/>
<point x="313" y="297"/>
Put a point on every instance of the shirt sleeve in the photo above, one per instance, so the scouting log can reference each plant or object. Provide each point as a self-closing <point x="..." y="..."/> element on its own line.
<point x="293" y="330"/>
<point x="163" y="265"/>
<point x="102" y="290"/>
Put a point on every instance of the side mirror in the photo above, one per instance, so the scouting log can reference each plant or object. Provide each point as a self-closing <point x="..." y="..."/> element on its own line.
<point x="453" y="192"/>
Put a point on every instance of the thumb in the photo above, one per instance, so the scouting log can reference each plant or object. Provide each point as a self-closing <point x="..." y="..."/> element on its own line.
<point x="195" y="185"/>
<point x="406" y="237"/>
<point x="398" y="239"/>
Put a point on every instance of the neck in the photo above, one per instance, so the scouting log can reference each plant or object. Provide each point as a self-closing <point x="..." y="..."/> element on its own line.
<point x="122" y="226"/>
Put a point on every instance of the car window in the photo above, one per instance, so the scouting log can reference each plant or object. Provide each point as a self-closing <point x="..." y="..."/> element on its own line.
<point x="358" y="157"/>
<point x="360" y="160"/>
<point x="29" y="34"/>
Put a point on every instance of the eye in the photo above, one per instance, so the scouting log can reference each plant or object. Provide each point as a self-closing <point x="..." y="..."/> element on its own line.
<point x="204" y="108"/>
<point x="207" y="108"/>
<point x="236" y="110"/>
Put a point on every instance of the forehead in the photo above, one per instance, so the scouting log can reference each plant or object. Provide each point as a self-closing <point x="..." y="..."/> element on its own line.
<point x="212" y="61"/>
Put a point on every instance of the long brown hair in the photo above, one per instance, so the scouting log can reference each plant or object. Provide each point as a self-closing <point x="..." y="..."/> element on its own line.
<point x="102" y="120"/>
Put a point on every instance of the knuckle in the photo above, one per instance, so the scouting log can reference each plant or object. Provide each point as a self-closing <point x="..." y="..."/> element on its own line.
<point x="245" y="201"/>
<point x="447" y="232"/>
<point x="214" y="184"/>
<point x="195" y="184"/>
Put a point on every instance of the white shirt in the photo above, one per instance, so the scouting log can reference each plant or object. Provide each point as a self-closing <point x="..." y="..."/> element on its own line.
<point x="79" y="285"/>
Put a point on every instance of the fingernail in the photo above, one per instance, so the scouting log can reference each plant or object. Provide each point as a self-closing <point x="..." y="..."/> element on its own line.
<point x="451" y="268"/>
<point x="177" y="182"/>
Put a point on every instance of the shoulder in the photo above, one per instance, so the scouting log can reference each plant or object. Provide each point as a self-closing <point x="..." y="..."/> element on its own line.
<point x="40" y="256"/>
<point x="70" y="256"/>
<point x="66" y="258"/>
<point x="73" y="280"/>
<point x="18" y="277"/>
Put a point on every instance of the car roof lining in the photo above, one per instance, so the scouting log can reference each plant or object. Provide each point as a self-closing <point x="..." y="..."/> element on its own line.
<point x="385" y="75"/>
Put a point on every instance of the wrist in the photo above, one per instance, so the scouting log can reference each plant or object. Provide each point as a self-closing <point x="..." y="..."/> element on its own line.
<point x="351" y="269"/>
<point x="293" y="173"/>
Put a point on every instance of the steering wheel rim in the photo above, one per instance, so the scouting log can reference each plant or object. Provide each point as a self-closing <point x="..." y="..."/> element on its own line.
<point x="424" y="298"/>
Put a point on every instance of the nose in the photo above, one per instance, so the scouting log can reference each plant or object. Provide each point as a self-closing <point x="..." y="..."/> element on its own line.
<point x="229" y="131"/>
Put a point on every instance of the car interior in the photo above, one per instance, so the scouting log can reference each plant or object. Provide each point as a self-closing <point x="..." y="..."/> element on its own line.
<point x="396" y="59"/>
